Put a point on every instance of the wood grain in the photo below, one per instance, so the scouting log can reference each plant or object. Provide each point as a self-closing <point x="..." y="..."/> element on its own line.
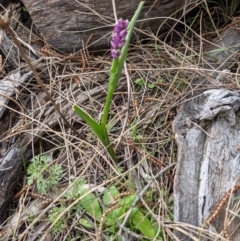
<point x="67" y="25"/>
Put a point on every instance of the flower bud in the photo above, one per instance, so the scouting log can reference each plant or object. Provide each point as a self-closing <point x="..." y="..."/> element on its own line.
<point x="118" y="38"/>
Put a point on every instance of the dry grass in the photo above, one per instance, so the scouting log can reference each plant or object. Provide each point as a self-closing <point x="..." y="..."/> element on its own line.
<point x="139" y="128"/>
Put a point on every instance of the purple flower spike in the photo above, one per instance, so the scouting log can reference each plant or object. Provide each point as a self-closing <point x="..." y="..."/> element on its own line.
<point x="118" y="37"/>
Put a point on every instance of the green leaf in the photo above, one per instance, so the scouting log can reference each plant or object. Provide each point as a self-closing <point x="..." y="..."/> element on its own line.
<point x="142" y="223"/>
<point x="74" y="191"/>
<point x="84" y="222"/>
<point x="46" y="177"/>
<point x="42" y="185"/>
<point x="99" y="130"/>
<point x="54" y="175"/>
<point x="90" y="121"/>
<point x="128" y="201"/>
<point x="151" y="86"/>
<point x="53" y="215"/>
<point x="90" y="203"/>
<point x="115" y="216"/>
<point x="118" y="213"/>
<point x="139" y="82"/>
<point x="160" y="81"/>
<point x="109" y="194"/>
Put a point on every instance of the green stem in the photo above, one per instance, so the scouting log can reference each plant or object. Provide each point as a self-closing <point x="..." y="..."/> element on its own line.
<point x="111" y="88"/>
<point x="108" y="145"/>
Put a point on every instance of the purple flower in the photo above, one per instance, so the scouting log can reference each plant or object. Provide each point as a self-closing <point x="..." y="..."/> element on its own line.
<point x="118" y="37"/>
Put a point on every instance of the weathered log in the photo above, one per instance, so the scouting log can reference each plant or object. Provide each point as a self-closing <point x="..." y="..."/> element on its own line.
<point x="11" y="157"/>
<point x="11" y="161"/>
<point x="10" y="167"/>
<point x="208" y="136"/>
<point x="68" y="25"/>
<point x="9" y="49"/>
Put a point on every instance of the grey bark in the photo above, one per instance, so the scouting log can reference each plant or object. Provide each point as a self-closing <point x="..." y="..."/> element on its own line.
<point x="12" y="155"/>
<point x="208" y="135"/>
<point x="10" y="167"/>
<point x="67" y="25"/>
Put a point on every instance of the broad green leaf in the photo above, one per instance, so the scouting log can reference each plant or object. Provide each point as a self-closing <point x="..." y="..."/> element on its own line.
<point x="118" y="213"/>
<point x="90" y="204"/>
<point x="75" y="190"/>
<point x="142" y="223"/>
<point x="86" y="223"/>
<point x="115" y="216"/>
<point x="109" y="194"/>
<point x="157" y="229"/>
<point x="127" y="201"/>
<point x="89" y="120"/>
<point x="99" y="130"/>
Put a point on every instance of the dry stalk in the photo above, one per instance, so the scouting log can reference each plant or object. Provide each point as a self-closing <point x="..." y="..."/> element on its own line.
<point x="226" y="234"/>
<point x="154" y="160"/>
<point x="99" y="233"/>
<point x="20" y="193"/>
<point x="218" y="209"/>
<point x="234" y="24"/>
<point x="23" y="118"/>
<point x="20" y="220"/>
<point x="50" y="53"/>
<point x="220" y="205"/>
